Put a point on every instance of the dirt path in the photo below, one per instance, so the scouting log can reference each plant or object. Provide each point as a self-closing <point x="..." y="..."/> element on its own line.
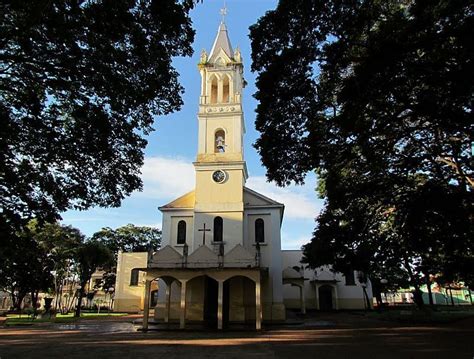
<point x="326" y="336"/>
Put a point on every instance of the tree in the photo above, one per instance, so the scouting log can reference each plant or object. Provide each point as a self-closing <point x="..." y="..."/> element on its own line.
<point x="80" y="83"/>
<point x="60" y="243"/>
<point x="36" y="259"/>
<point x="90" y="256"/>
<point x="377" y="98"/>
<point x="129" y="238"/>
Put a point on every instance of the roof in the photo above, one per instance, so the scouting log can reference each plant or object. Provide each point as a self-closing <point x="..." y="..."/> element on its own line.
<point x="222" y="41"/>
<point x="185" y="201"/>
<point x="252" y="199"/>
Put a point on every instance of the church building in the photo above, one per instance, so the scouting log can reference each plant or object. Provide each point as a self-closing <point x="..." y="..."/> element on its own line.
<point x="221" y="259"/>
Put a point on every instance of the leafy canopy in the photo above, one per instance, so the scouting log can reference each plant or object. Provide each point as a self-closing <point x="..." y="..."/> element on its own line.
<point x="80" y="83"/>
<point x="376" y="96"/>
<point x="129" y="238"/>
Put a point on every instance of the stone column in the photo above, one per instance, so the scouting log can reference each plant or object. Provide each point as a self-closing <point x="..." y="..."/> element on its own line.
<point x="316" y="295"/>
<point x="258" y="305"/>
<point x="182" y="314"/>
<point x="220" y="90"/>
<point x="168" y="301"/>
<point x="220" y="299"/>
<point x="302" y="299"/>
<point x="146" y="305"/>
<point x="336" y="298"/>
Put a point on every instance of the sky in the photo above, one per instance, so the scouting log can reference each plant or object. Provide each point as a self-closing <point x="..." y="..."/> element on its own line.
<point x="168" y="171"/>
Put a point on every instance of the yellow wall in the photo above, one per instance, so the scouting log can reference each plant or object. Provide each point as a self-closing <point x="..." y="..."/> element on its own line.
<point x="129" y="298"/>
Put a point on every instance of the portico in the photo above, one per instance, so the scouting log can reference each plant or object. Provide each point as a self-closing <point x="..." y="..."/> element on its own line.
<point x="181" y="277"/>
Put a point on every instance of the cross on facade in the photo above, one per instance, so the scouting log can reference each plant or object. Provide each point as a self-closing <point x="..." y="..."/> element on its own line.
<point x="223" y="12"/>
<point x="204" y="230"/>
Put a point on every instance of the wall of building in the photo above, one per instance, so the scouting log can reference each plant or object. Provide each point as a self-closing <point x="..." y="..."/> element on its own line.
<point x="129" y="298"/>
<point x="348" y="296"/>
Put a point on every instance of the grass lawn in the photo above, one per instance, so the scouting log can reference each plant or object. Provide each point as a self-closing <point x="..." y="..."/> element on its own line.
<point x="23" y="319"/>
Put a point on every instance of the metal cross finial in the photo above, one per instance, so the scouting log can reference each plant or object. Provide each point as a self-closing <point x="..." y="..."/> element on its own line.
<point x="223" y="12"/>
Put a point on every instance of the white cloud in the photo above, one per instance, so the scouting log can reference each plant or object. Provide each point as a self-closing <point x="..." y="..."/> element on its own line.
<point x="166" y="178"/>
<point x="152" y="225"/>
<point x="300" y="202"/>
<point x="290" y="242"/>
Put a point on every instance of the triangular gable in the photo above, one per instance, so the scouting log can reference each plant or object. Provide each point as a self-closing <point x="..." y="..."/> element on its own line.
<point x="202" y="257"/>
<point x="239" y="257"/>
<point x="166" y="257"/>
<point x="185" y="201"/>
<point x="252" y="198"/>
<point x="220" y="54"/>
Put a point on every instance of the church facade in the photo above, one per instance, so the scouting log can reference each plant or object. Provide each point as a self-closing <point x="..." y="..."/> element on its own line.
<point x="221" y="259"/>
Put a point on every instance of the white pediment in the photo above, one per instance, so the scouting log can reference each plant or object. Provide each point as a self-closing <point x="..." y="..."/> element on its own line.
<point x="166" y="257"/>
<point x="203" y="257"/>
<point x="239" y="257"/>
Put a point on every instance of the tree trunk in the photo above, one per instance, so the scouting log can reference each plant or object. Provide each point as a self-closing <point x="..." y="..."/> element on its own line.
<point x="417" y="297"/>
<point x="451" y="296"/>
<point x="77" y="314"/>
<point x="377" y="292"/>
<point x="34" y="302"/>
<point x="428" y="286"/>
<point x="13" y="297"/>
<point x="19" y="299"/>
<point x="367" y="300"/>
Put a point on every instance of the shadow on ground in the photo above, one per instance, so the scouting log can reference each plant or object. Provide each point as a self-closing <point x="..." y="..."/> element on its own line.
<point x="345" y="335"/>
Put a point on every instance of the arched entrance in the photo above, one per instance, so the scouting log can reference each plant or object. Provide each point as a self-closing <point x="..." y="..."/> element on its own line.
<point x="325" y="298"/>
<point x="206" y="295"/>
<point x="239" y="301"/>
<point x="211" y="288"/>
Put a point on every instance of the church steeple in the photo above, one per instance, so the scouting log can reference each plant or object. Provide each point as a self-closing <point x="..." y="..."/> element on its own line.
<point x="221" y="123"/>
<point x="221" y="171"/>
<point x="222" y="41"/>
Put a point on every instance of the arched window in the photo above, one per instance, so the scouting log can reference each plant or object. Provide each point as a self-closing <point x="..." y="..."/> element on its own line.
<point x="214" y="89"/>
<point x="218" y="229"/>
<point x="134" y="277"/>
<point x="349" y="275"/>
<point x="226" y="90"/>
<point x="219" y="141"/>
<point x="181" y="238"/>
<point x="259" y="230"/>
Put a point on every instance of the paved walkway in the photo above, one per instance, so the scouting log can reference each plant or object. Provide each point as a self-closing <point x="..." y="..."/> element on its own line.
<point x="340" y="335"/>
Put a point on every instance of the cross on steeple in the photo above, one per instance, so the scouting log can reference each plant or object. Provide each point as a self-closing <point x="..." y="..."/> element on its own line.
<point x="223" y="12"/>
<point x="204" y="230"/>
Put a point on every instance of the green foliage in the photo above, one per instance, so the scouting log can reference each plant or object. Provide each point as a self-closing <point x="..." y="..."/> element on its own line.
<point x="90" y="256"/>
<point x="129" y="238"/>
<point x="81" y="82"/>
<point x="30" y="257"/>
<point x="376" y="96"/>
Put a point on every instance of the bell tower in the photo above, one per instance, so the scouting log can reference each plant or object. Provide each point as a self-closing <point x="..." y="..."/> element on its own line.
<point x="221" y="125"/>
<point x="221" y="171"/>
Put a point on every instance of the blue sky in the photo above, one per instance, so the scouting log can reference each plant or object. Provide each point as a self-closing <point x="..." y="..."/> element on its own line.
<point x="168" y="171"/>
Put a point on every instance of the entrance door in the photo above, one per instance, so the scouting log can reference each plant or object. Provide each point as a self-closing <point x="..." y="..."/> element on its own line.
<point x="211" y="290"/>
<point x="325" y="297"/>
